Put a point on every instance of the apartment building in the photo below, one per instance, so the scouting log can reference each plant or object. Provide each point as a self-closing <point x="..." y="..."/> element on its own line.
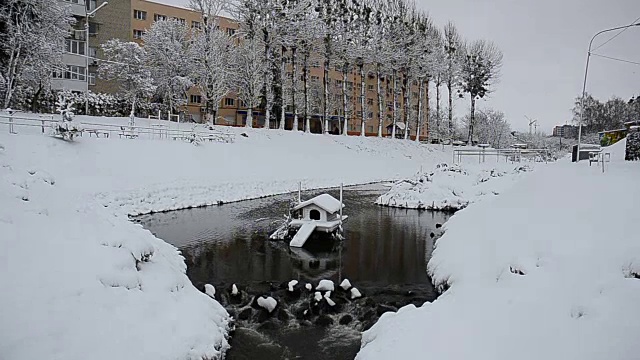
<point x="129" y="19"/>
<point x="73" y="76"/>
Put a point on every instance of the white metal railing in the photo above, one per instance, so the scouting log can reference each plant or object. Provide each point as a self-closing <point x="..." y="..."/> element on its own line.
<point x="152" y="131"/>
<point x="513" y="155"/>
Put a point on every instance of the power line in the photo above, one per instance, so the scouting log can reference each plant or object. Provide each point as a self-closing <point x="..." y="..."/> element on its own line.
<point x="616" y="59"/>
<point x="617" y="34"/>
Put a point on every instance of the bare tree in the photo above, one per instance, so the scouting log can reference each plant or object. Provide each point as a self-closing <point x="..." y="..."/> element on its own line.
<point x="480" y="69"/>
<point x="249" y="75"/>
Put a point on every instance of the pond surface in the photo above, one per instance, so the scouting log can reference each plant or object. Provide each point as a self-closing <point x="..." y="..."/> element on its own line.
<point x="384" y="254"/>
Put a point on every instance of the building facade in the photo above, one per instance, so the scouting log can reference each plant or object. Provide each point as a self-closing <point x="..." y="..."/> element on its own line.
<point x="128" y="20"/>
<point x="565" y="131"/>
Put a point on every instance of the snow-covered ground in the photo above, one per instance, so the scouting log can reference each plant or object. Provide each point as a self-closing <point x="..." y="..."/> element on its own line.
<point x="550" y="269"/>
<point x="454" y="187"/>
<point x="80" y="281"/>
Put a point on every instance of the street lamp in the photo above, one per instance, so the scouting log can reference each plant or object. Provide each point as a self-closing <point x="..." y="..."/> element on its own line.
<point x="584" y="85"/>
<point x="88" y="14"/>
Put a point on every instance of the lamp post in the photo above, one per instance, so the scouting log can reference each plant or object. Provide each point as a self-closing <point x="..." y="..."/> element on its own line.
<point x="88" y="14"/>
<point x="584" y="85"/>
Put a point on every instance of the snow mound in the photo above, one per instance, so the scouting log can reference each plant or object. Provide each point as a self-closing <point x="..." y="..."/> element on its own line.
<point x="546" y="270"/>
<point x="210" y="290"/>
<point x="325" y="285"/>
<point x="451" y="187"/>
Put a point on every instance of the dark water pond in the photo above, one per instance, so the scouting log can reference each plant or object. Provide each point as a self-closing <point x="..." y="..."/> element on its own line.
<point x="384" y="255"/>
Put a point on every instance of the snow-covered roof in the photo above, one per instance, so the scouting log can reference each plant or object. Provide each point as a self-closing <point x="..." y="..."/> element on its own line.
<point x="325" y="201"/>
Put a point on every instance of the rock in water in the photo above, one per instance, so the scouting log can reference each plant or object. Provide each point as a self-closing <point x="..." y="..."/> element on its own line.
<point x="317" y="296"/>
<point x="346" y="320"/>
<point x="292" y="283"/>
<point x="355" y="294"/>
<point x="327" y="294"/>
<point x="329" y="301"/>
<point x="309" y="287"/>
<point x="345" y="284"/>
<point x="325" y="285"/>
<point x="234" y="290"/>
<point x="210" y="290"/>
<point x="268" y="303"/>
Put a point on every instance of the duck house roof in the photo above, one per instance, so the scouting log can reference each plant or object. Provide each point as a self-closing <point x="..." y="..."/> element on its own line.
<point x="325" y="201"/>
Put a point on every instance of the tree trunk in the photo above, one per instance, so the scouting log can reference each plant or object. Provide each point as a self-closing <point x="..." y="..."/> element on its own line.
<point x="395" y="104"/>
<point x="419" y="117"/>
<point x="427" y="106"/>
<point x="283" y="75"/>
<point x="294" y="76"/>
<point x="267" y="84"/>
<point x="362" y="99"/>
<point x="249" y="123"/>
<point x="344" y="99"/>
<point x="380" y="102"/>
<point x="472" y="120"/>
<point x="307" y="122"/>
<point x="406" y="99"/>
<point x="450" y="90"/>
<point x="325" y="85"/>
<point x="438" y="132"/>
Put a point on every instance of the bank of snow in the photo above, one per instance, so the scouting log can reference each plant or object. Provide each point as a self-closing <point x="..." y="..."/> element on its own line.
<point x="453" y="187"/>
<point x="547" y="270"/>
<point x="80" y="281"/>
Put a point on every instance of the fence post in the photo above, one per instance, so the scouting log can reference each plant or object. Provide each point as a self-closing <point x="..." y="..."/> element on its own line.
<point x="11" y="124"/>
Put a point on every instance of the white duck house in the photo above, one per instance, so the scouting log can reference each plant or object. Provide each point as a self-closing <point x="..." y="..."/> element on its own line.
<point x="322" y="213"/>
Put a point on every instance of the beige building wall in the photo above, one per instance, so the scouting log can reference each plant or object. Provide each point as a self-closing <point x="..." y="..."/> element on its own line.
<point x="123" y="19"/>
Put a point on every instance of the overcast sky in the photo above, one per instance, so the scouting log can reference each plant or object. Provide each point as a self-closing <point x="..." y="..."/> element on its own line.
<point x="545" y="47"/>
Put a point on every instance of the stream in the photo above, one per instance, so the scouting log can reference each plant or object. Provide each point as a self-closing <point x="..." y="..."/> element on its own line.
<point x="384" y="255"/>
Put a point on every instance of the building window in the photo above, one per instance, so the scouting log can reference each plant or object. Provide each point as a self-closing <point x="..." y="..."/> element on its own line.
<point x="139" y="15"/>
<point x="92" y="78"/>
<point x="74" y="46"/>
<point x="75" y="1"/>
<point x="159" y="17"/>
<point x="229" y="102"/>
<point x="370" y="87"/>
<point x="231" y="31"/>
<point x="369" y="101"/>
<point x="73" y="73"/>
<point x="315" y="78"/>
<point x="137" y="34"/>
<point x="196" y="25"/>
<point x="180" y="20"/>
<point x="195" y="99"/>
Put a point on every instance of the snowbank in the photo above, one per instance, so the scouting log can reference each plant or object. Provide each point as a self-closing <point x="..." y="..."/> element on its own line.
<point x="81" y="281"/>
<point x="547" y="270"/>
<point x="452" y="187"/>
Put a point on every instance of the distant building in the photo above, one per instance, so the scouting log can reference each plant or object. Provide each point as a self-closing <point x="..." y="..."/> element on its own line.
<point x="565" y="131"/>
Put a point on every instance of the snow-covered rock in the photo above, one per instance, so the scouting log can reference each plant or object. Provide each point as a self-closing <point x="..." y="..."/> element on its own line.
<point x="234" y="290"/>
<point x="210" y="290"/>
<point x="291" y="284"/>
<point x="268" y="303"/>
<point x="325" y="285"/>
<point x="355" y="294"/>
<point x="317" y="296"/>
<point x="329" y="301"/>
<point x="308" y="286"/>
<point x="345" y="284"/>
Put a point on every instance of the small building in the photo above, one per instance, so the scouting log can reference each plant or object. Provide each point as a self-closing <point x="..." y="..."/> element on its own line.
<point x="320" y="208"/>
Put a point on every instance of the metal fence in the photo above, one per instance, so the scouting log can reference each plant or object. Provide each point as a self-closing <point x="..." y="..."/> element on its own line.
<point x="513" y="155"/>
<point x="157" y="129"/>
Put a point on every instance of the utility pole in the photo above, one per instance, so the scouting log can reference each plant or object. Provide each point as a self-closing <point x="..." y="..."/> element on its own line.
<point x="88" y="14"/>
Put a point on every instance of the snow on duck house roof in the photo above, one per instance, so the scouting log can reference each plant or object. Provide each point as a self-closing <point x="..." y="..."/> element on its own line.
<point x="325" y="201"/>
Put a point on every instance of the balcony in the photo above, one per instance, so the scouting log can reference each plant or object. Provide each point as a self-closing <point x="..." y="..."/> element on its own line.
<point x="77" y="7"/>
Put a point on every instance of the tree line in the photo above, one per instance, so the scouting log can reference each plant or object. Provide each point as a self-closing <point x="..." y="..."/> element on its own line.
<point x="268" y="62"/>
<point x="607" y="115"/>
